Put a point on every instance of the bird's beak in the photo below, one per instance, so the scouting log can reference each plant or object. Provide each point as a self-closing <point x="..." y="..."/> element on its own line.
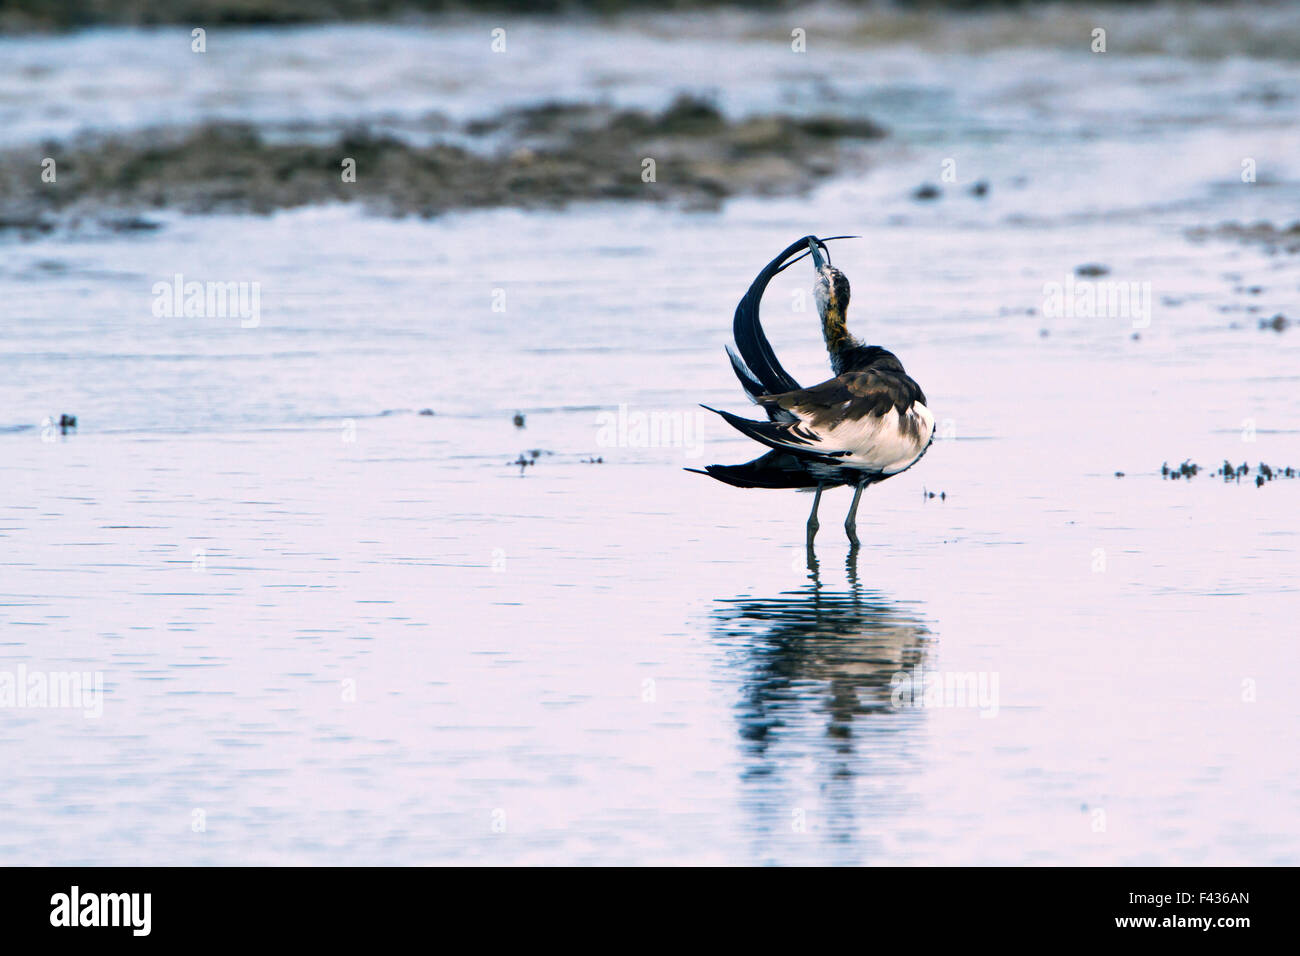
<point x="819" y="261"/>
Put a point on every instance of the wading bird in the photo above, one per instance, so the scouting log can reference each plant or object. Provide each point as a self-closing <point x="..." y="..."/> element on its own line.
<point x="866" y="424"/>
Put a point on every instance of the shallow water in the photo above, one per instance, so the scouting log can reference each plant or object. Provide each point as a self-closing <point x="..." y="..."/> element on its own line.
<point x="350" y="633"/>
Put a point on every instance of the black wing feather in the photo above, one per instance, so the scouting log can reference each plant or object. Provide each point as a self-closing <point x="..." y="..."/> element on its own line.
<point x="780" y="436"/>
<point x="773" y="470"/>
<point x="751" y="341"/>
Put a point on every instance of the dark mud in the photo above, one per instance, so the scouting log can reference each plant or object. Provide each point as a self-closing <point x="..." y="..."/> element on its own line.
<point x="545" y="156"/>
<point x="1273" y="239"/>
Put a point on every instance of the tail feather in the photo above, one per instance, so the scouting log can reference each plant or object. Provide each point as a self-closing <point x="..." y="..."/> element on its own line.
<point x="773" y="470"/>
<point x="777" y="435"/>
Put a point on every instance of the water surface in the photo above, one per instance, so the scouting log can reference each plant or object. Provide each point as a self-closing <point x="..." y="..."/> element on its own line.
<point x="350" y="633"/>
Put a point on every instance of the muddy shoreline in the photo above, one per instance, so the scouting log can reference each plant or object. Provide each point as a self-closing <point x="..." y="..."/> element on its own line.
<point x="539" y="157"/>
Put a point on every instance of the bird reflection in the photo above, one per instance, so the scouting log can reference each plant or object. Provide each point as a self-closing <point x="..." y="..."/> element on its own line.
<point x="815" y="717"/>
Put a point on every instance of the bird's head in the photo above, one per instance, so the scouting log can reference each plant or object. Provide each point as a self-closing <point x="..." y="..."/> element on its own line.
<point x="831" y="290"/>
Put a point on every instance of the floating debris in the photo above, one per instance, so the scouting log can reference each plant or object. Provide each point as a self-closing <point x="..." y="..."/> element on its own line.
<point x="426" y="411"/>
<point x="518" y="419"/>
<point x="943" y="495"/>
<point x="1185" y="470"/>
<point x="530" y="457"/>
<point x="593" y="461"/>
<point x="980" y="189"/>
<point x="926" y="192"/>
<point x="1092" y="269"/>
<point x="1277" y="323"/>
<point x="1264" y="473"/>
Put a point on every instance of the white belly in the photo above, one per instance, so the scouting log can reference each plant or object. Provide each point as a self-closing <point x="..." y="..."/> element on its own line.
<point x="882" y="444"/>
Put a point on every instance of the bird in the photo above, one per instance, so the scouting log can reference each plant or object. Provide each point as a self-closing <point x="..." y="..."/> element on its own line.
<point x="867" y="423"/>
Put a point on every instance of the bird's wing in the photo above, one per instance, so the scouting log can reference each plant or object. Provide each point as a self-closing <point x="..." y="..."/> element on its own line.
<point x="872" y="419"/>
<point x="783" y="436"/>
<point x="758" y="365"/>
<point x="854" y="394"/>
<point x="752" y="386"/>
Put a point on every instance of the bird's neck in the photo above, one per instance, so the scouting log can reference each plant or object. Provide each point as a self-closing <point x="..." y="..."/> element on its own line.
<point x="836" y="333"/>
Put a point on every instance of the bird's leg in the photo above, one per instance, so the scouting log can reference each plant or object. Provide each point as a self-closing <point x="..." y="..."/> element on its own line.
<point x="812" y="518"/>
<point x="851" y="522"/>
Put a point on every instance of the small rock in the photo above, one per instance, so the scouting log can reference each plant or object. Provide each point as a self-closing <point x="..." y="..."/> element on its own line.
<point x="1091" y="269"/>
<point x="926" y="192"/>
<point x="519" y="419"/>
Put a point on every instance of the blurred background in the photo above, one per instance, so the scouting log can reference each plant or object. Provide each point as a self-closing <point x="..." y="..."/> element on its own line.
<point x="384" y="325"/>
